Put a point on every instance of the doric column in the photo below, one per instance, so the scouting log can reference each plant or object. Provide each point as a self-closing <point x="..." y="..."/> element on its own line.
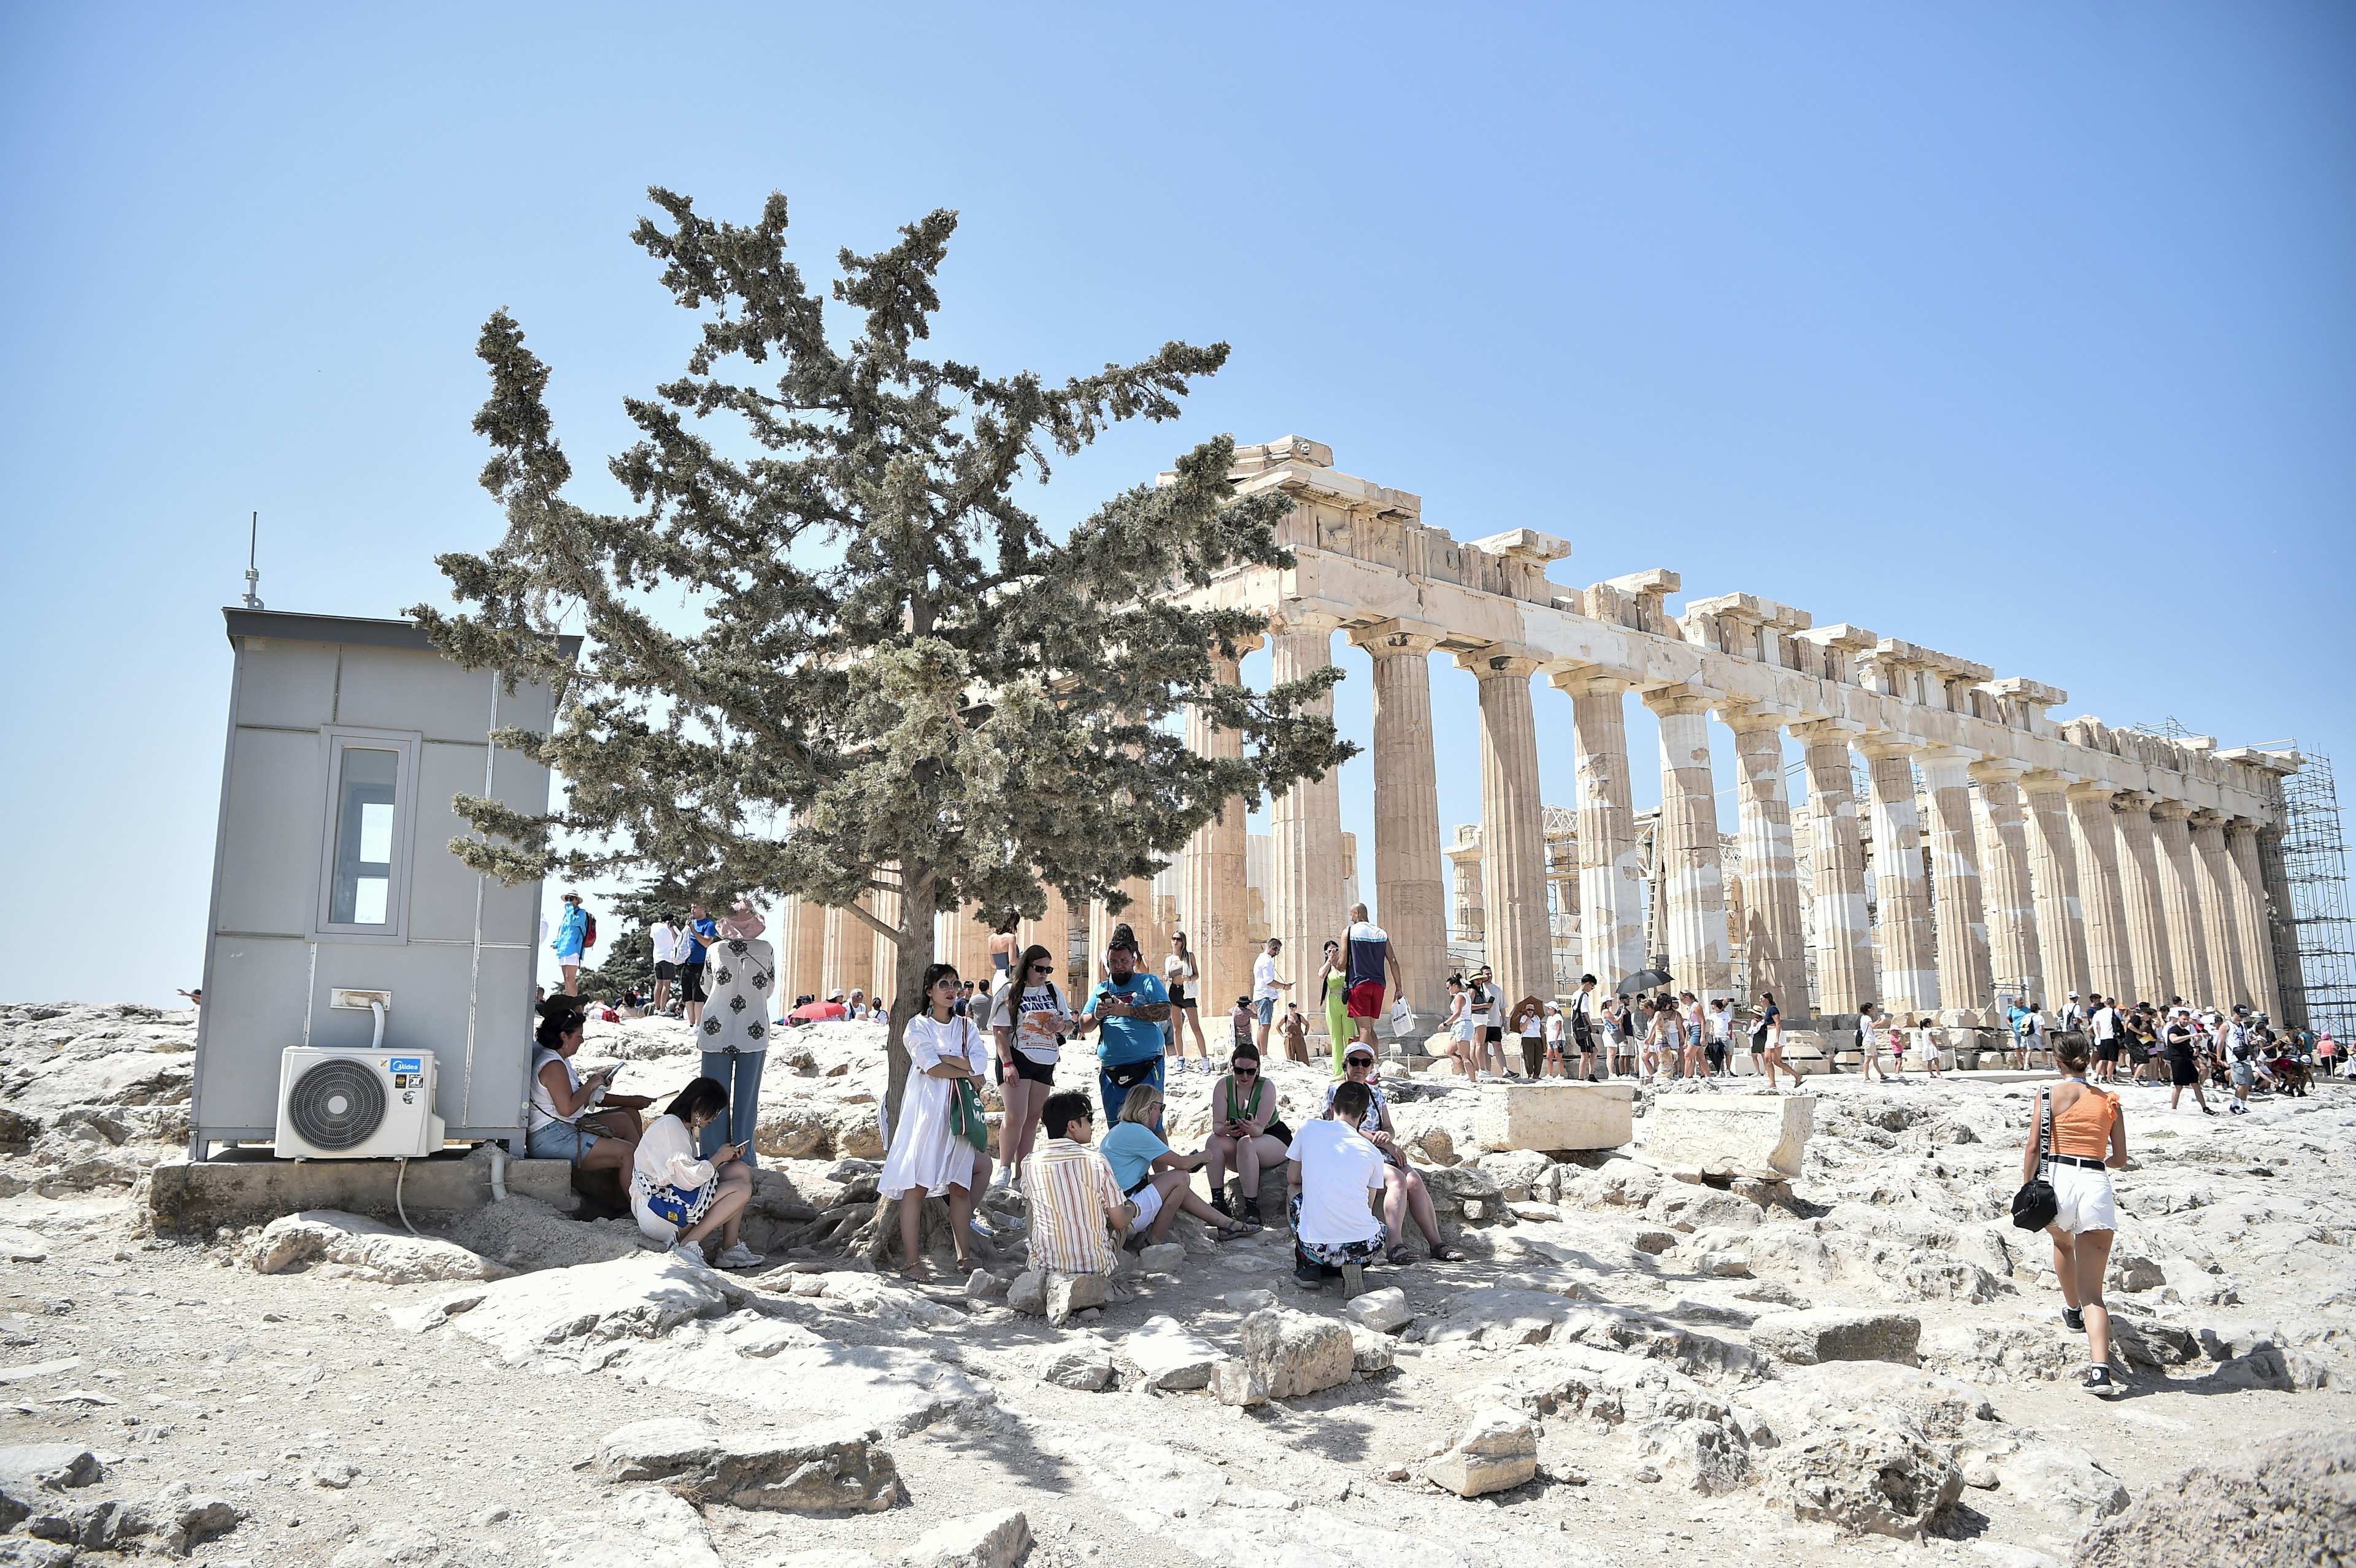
<point x="1464" y="868"/>
<point x="884" y="959"/>
<point x="1611" y="874"/>
<point x="2147" y="912"/>
<point x="850" y="953"/>
<point x="1844" y="931"/>
<point x="1304" y="823"/>
<point x="2290" y="972"/>
<point x="1901" y="933"/>
<point x="2188" y="951"/>
<point x="807" y="938"/>
<point x="2054" y="870"/>
<point x="2213" y="892"/>
<point x="1410" y="895"/>
<point x="1053" y="931"/>
<point x="2101" y="899"/>
<point x="1999" y="827"/>
<point x="2252" y="928"/>
<point x="1214" y="902"/>
<point x="1512" y="826"/>
<point x="1774" y="946"/>
<point x="1966" y="980"/>
<point x="1693" y="877"/>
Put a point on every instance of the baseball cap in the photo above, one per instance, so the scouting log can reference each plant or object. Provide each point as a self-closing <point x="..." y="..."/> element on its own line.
<point x="1359" y="1048"/>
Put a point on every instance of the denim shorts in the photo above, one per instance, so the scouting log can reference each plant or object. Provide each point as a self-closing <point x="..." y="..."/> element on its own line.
<point x="1266" y="1009"/>
<point x="559" y="1140"/>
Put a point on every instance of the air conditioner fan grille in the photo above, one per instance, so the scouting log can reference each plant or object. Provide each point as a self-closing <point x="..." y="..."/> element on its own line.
<point x="337" y="1103"/>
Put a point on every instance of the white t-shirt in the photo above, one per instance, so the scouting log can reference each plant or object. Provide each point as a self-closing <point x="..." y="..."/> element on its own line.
<point x="665" y="941"/>
<point x="1338" y="1169"/>
<point x="1038" y="1043"/>
<point x="1264" y="977"/>
<point x="2106" y="1023"/>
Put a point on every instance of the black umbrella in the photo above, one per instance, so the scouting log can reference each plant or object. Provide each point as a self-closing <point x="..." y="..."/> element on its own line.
<point x="1645" y="980"/>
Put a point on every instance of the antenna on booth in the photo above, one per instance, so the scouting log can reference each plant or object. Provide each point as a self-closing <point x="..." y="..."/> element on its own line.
<point x="252" y="573"/>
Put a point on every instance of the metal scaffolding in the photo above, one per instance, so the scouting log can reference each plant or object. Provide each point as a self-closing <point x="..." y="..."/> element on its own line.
<point x="2315" y="868"/>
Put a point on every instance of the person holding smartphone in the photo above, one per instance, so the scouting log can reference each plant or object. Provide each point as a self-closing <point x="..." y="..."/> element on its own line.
<point x="1029" y="1020"/>
<point x="679" y="1199"/>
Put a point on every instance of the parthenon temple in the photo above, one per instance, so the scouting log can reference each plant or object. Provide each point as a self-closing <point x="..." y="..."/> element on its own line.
<point x="1956" y="844"/>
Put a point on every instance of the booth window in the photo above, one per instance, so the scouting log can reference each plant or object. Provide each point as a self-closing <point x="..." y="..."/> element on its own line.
<point x="371" y="778"/>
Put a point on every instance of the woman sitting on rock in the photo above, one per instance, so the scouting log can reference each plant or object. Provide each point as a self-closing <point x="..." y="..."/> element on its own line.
<point x="679" y="1199"/>
<point x="1246" y="1132"/>
<point x="1156" y="1181"/>
<point x="928" y="1154"/>
<point x="2088" y="1141"/>
<point x="558" y="1125"/>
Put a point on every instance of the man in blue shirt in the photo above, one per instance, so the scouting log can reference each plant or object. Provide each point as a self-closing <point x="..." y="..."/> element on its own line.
<point x="1130" y="1005"/>
<point x="700" y="929"/>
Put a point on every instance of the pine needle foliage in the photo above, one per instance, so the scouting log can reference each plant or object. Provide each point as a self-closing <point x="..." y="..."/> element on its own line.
<point x="896" y="680"/>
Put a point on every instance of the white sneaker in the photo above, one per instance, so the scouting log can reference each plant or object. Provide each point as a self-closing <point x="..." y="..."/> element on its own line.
<point x="693" y="1251"/>
<point x="740" y="1256"/>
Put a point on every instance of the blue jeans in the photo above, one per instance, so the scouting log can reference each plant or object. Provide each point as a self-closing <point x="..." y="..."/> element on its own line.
<point x="739" y="1074"/>
<point x="559" y="1140"/>
<point x="1114" y="1094"/>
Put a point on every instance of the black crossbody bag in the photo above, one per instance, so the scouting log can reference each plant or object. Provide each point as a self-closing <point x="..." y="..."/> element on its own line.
<point x="2034" y="1206"/>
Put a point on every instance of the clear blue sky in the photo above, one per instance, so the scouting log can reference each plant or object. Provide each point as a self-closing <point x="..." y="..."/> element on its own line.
<point x="2021" y="331"/>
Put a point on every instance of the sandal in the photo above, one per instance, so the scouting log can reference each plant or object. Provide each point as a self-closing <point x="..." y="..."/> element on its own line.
<point x="1402" y="1256"/>
<point x="1448" y="1254"/>
<point x="917" y="1274"/>
<point x="967" y="1266"/>
<point x="1234" y="1229"/>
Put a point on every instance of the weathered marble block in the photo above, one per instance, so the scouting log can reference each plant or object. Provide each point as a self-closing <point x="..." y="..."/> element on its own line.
<point x="1750" y="1134"/>
<point x="1556" y="1116"/>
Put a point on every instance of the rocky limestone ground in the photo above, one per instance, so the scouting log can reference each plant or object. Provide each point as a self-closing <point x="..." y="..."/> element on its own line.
<point x="1868" y="1362"/>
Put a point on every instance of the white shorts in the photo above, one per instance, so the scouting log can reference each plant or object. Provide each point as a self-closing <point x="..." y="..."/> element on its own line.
<point x="2085" y="1200"/>
<point x="1148" y="1199"/>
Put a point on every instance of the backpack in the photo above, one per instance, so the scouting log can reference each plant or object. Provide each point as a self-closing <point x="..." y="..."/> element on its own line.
<point x="588" y="930"/>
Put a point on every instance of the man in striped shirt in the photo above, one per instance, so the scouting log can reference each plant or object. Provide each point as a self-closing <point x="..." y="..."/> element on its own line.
<point x="1078" y="1214"/>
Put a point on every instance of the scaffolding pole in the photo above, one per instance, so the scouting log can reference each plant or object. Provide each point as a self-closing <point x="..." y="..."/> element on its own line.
<point x="2315" y="870"/>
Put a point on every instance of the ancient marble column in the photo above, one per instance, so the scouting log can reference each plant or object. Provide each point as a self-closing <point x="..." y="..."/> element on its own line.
<point x="2000" y="825"/>
<point x="1305" y="822"/>
<point x="1464" y="868"/>
<point x="850" y="953"/>
<point x="1774" y="948"/>
<point x="1844" y="931"/>
<point x="1966" y="980"/>
<point x="884" y="963"/>
<point x="2053" y="872"/>
<point x="2213" y="892"/>
<point x="2146" y="913"/>
<point x="808" y="941"/>
<point x="1213" y="866"/>
<point x="1053" y="931"/>
<point x="2252" y="928"/>
<point x="2188" y="951"/>
<point x="1611" y="875"/>
<point x="1519" y="947"/>
<point x="2290" y="976"/>
<point x="2101" y="898"/>
<point x="1693" y="877"/>
<point x="1902" y="933"/>
<point x="1410" y="896"/>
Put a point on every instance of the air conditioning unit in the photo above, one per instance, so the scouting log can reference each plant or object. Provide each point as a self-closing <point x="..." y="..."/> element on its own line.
<point x="355" y="1104"/>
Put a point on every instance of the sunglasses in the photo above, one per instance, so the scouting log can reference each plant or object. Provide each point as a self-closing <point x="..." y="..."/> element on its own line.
<point x="1245" y="1071"/>
<point x="1043" y="968"/>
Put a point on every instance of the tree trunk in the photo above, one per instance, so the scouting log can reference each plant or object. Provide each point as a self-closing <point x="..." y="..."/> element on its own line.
<point x="907" y="981"/>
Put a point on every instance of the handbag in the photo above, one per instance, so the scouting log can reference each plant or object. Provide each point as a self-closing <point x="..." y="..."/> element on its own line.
<point x="2035" y="1205"/>
<point x="967" y="1120"/>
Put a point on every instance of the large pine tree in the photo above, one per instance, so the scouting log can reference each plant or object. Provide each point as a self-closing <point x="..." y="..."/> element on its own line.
<point x="887" y="676"/>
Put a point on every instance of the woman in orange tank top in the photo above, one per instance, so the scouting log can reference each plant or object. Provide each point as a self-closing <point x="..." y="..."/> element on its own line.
<point x="2088" y="1140"/>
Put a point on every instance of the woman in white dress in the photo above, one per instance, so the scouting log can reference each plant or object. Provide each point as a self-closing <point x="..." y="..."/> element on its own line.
<point x="1459" y="1027"/>
<point x="927" y="1156"/>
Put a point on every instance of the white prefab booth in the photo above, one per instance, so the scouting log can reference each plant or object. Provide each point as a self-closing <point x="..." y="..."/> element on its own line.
<point x="332" y="873"/>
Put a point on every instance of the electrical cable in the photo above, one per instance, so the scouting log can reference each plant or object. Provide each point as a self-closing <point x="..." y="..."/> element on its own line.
<point x="400" y="1176"/>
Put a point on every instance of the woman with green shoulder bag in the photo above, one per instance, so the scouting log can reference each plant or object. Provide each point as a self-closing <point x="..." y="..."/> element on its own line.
<point x="939" y="1142"/>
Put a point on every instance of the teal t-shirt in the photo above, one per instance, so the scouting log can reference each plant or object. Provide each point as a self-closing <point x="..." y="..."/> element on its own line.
<point x="1121" y="1041"/>
<point x="1131" y="1147"/>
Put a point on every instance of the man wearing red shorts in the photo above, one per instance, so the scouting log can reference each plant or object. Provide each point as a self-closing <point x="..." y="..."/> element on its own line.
<point x="1366" y="960"/>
